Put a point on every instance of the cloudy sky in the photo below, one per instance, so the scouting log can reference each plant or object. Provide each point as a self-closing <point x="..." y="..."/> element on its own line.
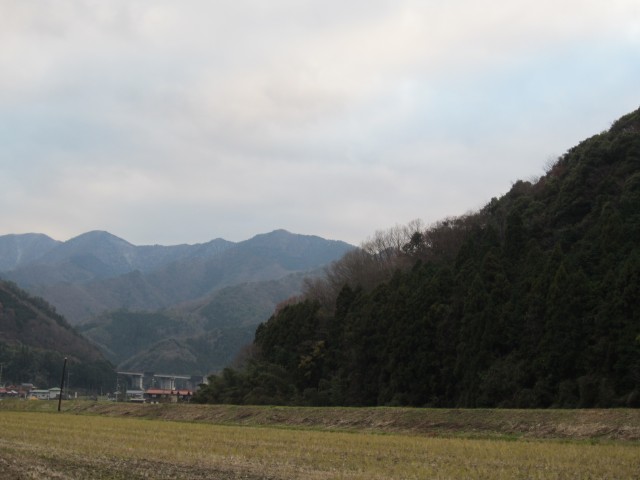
<point x="167" y="121"/>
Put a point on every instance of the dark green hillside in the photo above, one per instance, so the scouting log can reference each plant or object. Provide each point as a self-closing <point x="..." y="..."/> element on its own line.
<point x="198" y="354"/>
<point x="248" y="303"/>
<point x="34" y="340"/>
<point x="166" y="341"/>
<point x="532" y="302"/>
<point x="122" y="334"/>
<point x="195" y="338"/>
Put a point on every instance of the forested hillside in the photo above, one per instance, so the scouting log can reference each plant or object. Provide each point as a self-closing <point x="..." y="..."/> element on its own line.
<point x="194" y="338"/>
<point x="34" y="340"/>
<point x="534" y="301"/>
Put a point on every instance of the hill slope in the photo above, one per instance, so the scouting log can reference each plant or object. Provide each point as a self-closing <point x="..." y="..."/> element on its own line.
<point x="532" y="302"/>
<point x="199" y="337"/>
<point x="34" y="339"/>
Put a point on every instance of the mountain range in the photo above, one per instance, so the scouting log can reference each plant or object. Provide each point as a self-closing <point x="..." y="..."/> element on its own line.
<point x="211" y="293"/>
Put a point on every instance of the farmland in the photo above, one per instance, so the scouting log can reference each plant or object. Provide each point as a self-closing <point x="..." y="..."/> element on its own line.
<point x="104" y="440"/>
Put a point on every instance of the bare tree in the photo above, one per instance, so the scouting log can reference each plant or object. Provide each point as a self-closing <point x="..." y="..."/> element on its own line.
<point x="377" y="259"/>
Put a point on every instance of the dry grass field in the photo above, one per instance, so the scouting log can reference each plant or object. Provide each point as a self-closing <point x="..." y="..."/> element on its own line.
<point x="108" y="441"/>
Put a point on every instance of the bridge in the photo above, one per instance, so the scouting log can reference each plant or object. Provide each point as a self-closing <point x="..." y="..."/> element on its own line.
<point x="145" y="380"/>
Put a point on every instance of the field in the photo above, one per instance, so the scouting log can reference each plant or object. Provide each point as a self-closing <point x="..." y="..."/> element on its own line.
<point x="124" y="441"/>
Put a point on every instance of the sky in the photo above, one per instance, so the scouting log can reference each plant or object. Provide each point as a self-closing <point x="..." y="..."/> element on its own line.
<point x="167" y="122"/>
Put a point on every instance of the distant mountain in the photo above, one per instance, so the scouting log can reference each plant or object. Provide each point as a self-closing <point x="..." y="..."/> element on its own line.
<point x="246" y="303"/>
<point x="34" y="339"/>
<point x="18" y="250"/>
<point x="199" y="337"/>
<point x="195" y="355"/>
<point x="97" y="272"/>
<point x="150" y="307"/>
<point x="92" y="256"/>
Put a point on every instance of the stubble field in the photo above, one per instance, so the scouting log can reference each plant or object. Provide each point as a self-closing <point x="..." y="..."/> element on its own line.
<point x="108" y="441"/>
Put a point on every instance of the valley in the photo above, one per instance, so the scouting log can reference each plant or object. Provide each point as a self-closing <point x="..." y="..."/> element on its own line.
<point x="184" y="309"/>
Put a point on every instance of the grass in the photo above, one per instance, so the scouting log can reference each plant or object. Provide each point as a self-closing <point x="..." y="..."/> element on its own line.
<point x="591" y="425"/>
<point x="130" y="442"/>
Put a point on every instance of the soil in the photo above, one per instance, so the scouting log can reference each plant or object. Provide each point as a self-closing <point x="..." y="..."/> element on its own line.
<point x="25" y="461"/>
<point x="600" y="424"/>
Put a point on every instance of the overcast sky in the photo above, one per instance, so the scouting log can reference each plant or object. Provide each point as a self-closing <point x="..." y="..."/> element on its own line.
<point x="181" y="121"/>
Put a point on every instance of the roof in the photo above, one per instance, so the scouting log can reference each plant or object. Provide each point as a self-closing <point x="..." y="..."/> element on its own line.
<point x="158" y="391"/>
<point x="161" y="391"/>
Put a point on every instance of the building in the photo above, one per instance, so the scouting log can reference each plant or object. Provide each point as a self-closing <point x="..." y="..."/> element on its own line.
<point x="136" y="396"/>
<point x="50" y="394"/>
<point x="9" y="391"/>
<point x="25" y="389"/>
<point x="54" y="393"/>
<point x="162" y="395"/>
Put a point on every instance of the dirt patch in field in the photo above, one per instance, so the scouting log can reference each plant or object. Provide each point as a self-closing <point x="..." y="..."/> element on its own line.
<point x="20" y="463"/>
<point x="614" y="424"/>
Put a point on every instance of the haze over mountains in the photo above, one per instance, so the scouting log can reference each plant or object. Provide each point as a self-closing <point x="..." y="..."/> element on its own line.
<point x="113" y="287"/>
<point x="98" y="271"/>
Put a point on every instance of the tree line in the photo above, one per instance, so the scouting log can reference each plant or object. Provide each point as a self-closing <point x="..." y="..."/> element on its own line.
<point x="533" y="301"/>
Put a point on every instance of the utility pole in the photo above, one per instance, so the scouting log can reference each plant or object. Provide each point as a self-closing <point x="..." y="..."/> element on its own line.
<point x="64" y="368"/>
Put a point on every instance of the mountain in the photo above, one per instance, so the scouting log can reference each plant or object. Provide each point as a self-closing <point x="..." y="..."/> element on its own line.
<point x="34" y="339"/>
<point x="190" y="306"/>
<point x="198" y="337"/>
<point x="533" y="301"/>
<point x="17" y="250"/>
<point x="97" y="272"/>
<point x="261" y="258"/>
<point x="94" y="256"/>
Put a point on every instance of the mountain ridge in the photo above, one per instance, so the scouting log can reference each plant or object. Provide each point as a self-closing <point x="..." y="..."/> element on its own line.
<point x="97" y="271"/>
<point x="16" y="249"/>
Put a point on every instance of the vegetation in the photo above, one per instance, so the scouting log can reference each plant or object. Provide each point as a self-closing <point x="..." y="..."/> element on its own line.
<point x="592" y="425"/>
<point x="534" y="301"/>
<point x="88" y="446"/>
<point x="35" y="340"/>
<point x="197" y="338"/>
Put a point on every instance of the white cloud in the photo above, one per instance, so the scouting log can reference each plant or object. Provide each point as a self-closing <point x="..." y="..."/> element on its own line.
<point x="336" y="118"/>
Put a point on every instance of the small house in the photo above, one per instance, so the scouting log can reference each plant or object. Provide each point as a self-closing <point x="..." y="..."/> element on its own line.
<point x="160" y="395"/>
<point x="136" y="396"/>
<point x="54" y="393"/>
<point x="38" y="394"/>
